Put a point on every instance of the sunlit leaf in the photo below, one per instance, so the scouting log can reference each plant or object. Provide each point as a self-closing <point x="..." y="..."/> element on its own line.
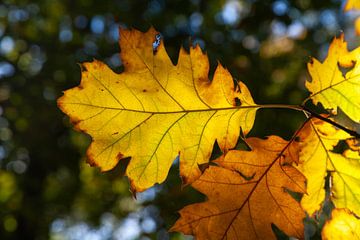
<point x="316" y="144"/>
<point x="342" y="225"/>
<point x="345" y="173"/>
<point x="335" y="83"/>
<point x="246" y="196"/>
<point x="154" y="111"/>
<point x="316" y="140"/>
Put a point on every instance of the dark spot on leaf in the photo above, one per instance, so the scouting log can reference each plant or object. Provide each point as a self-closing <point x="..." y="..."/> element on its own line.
<point x="237" y="102"/>
<point x="144" y="90"/>
<point x="297" y="139"/>
<point x="115" y="133"/>
<point x="101" y="89"/>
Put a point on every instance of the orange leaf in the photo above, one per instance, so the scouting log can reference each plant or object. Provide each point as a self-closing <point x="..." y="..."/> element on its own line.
<point x="246" y="196"/>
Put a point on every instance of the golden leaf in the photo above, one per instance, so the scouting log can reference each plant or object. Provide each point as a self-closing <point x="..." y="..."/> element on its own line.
<point x="330" y="87"/>
<point x="342" y="225"/>
<point x="345" y="173"/>
<point x="153" y="110"/>
<point x="316" y="142"/>
<point x="247" y="195"/>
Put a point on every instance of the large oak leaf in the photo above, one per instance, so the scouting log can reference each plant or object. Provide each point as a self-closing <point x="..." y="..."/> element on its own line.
<point x="153" y="110"/>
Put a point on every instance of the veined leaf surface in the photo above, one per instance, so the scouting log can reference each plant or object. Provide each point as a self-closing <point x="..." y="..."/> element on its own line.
<point x="330" y="87"/>
<point x="247" y="195"/>
<point x="316" y="158"/>
<point x="154" y="110"/>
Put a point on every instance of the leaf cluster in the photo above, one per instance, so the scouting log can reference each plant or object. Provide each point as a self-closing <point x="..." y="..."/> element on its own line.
<point x="155" y="111"/>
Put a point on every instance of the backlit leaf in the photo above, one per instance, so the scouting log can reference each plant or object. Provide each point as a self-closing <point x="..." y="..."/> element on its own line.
<point x="342" y="225"/>
<point x="333" y="88"/>
<point x="246" y="196"/>
<point x="345" y="173"/>
<point x="154" y="110"/>
<point x="317" y="140"/>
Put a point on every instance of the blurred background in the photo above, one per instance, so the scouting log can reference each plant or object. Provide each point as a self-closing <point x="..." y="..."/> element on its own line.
<point x="47" y="191"/>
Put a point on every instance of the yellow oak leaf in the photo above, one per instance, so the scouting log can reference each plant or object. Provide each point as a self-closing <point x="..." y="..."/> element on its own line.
<point x="342" y="225"/>
<point x="330" y="87"/>
<point x="247" y="194"/>
<point x="316" y="158"/>
<point x="316" y="139"/>
<point x="155" y="110"/>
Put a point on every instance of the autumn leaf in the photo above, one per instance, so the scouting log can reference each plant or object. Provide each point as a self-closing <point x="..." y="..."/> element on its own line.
<point x="316" y="143"/>
<point x="246" y="194"/>
<point x="330" y="87"/>
<point x="316" y="140"/>
<point x="154" y="111"/>
<point x="352" y="4"/>
<point x="342" y="225"/>
<point x="345" y="172"/>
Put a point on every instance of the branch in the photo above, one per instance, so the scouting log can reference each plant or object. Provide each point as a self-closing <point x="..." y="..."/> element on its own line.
<point x="311" y="113"/>
<point x="316" y="115"/>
